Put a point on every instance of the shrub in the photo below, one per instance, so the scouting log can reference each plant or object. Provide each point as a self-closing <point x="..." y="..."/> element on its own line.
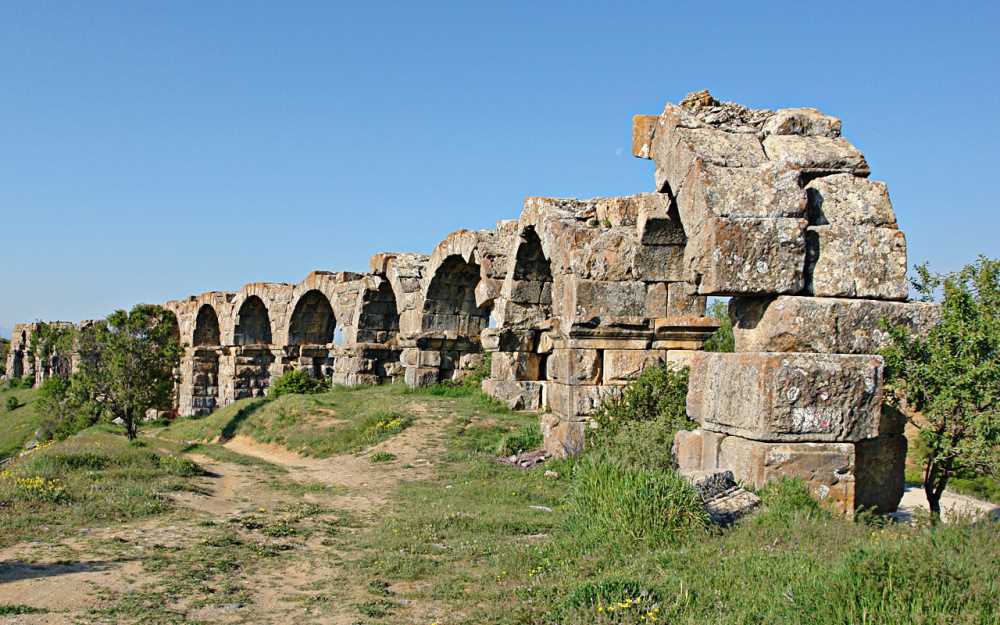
<point x="722" y="340"/>
<point x="613" y="503"/>
<point x="525" y="438"/>
<point x="12" y="404"/>
<point x="659" y="393"/>
<point x="297" y="382"/>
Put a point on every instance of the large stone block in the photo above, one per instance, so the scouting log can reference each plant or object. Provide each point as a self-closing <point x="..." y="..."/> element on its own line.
<point x="822" y="324"/>
<point x="862" y="262"/>
<point x="748" y="256"/>
<point x="879" y="472"/>
<point x="516" y="366"/>
<point x="589" y="300"/>
<point x="697" y="449"/>
<point x="518" y="395"/>
<point x="571" y="401"/>
<point x="816" y="155"/>
<point x="660" y="263"/>
<point x="768" y="191"/>
<point x="683" y="300"/>
<point x="574" y="366"/>
<point x="658" y="222"/>
<point x="787" y="397"/>
<point x="421" y="376"/>
<point x="621" y="366"/>
<point x="846" y="200"/>
<point x="677" y="149"/>
<point x="826" y="468"/>
<point x="642" y="134"/>
<point x="802" y="121"/>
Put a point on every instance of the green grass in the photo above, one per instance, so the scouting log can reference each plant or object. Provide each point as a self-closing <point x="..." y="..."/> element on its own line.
<point x="94" y="478"/>
<point x="321" y="425"/>
<point x="17" y="426"/>
<point x="10" y="609"/>
<point x="492" y="544"/>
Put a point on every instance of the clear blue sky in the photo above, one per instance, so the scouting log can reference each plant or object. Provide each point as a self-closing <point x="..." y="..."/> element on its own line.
<point x="150" y="150"/>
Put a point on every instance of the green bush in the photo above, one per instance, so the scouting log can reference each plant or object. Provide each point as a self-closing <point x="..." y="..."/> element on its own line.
<point x="526" y="438"/>
<point x="297" y="382"/>
<point x="637" y="429"/>
<point x="12" y="403"/>
<point x="613" y="503"/>
<point x="722" y="340"/>
<point x="25" y="382"/>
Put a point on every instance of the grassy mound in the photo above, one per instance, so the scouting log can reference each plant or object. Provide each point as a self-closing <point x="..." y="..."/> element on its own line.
<point x="17" y="426"/>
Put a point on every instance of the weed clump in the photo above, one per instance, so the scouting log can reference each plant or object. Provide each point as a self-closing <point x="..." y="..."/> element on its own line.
<point x="297" y="382"/>
<point x="526" y="438"/>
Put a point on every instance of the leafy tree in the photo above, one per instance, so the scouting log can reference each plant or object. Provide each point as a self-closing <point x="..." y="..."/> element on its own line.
<point x="951" y="377"/>
<point x="4" y="350"/>
<point x="66" y="406"/>
<point x="722" y="340"/>
<point x="127" y="363"/>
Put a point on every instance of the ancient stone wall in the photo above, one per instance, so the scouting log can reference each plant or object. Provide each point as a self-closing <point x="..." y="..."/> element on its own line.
<point x="572" y="300"/>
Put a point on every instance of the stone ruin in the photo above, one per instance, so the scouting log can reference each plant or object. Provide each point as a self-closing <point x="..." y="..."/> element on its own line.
<point x="773" y="209"/>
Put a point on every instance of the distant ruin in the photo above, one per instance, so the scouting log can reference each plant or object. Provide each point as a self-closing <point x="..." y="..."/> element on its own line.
<point x="575" y="297"/>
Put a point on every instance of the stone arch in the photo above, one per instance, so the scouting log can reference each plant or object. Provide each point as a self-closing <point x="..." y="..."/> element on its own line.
<point x="379" y="318"/>
<point x="450" y="302"/>
<point x="206" y="327"/>
<point x="312" y="321"/>
<point x="253" y="323"/>
<point x="530" y="292"/>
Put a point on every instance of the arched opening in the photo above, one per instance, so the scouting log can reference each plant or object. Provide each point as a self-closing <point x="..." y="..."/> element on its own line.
<point x="24" y="339"/>
<point x="312" y="321"/>
<point x="450" y="304"/>
<point x="531" y="290"/>
<point x="379" y="320"/>
<point x="253" y="324"/>
<point x="206" y="327"/>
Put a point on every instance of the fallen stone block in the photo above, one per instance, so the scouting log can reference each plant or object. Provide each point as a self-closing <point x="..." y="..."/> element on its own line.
<point x="846" y="200"/>
<point x="826" y="468"/>
<point x="725" y="501"/>
<point x="748" y="256"/>
<point x="861" y="262"/>
<point x="822" y="324"/>
<point x="817" y="156"/>
<point x="787" y="396"/>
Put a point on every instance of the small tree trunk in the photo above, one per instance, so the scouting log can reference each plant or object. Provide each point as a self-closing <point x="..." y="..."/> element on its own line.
<point x="931" y="476"/>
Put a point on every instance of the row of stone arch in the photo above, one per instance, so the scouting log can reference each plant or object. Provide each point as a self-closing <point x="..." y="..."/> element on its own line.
<point x="313" y="322"/>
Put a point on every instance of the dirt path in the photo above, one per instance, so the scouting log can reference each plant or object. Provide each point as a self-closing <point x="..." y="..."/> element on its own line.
<point x="78" y="574"/>
<point x="952" y="504"/>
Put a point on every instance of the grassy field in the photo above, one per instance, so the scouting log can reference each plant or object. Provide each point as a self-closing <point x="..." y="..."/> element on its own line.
<point x="17" y="426"/>
<point x="367" y="530"/>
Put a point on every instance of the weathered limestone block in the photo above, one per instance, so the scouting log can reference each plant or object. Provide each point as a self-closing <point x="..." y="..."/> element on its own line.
<point x="625" y="210"/>
<point x="563" y="437"/>
<point x="681" y="358"/>
<point x="578" y="401"/>
<point x="862" y="262"/>
<point x="412" y="357"/>
<point x="787" y="397"/>
<point x="677" y="149"/>
<point x="826" y="468"/>
<point x="697" y="449"/>
<point x="421" y="376"/>
<point x="748" y="256"/>
<point x="724" y="501"/>
<point x="470" y="361"/>
<point x="843" y="199"/>
<point x="660" y="263"/>
<point x="817" y="155"/>
<point x="802" y="121"/>
<point x="658" y="222"/>
<point x="506" y="340"/>
<point x="657" y="298"/>
<point x="621" y="366"/>
<point x="879" y="472"/>
<point x="574" y="366"/>
<point x="822" y="324"/>
<point x="518" y="395"/>
<point x="587" y="300"/>
<point x="642" y="134"/>
<point x="516" y="366"/>
<point x="771" y="190"/>
<point x="683" y="300"/>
